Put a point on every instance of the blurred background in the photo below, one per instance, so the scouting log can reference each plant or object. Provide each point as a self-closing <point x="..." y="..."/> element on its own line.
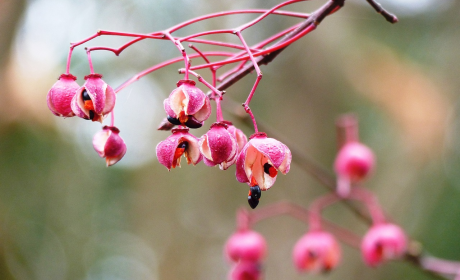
<point x="64" y="215"/>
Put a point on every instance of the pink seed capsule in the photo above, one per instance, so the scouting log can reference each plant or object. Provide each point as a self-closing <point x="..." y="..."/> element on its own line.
<point x="354" y="161"/>
<point x="61" y="94"/>
<point x="246" y="245"/>
<point x="109" y="145"/>
<point x="316" y="251"/>
<point x="383" y="242"/>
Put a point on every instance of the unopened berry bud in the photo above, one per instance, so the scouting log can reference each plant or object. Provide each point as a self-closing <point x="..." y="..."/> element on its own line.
<point x="246" y="245"/>
<point x="316" y="251"/>
<point x="109" y="145"/>
<point x="61" y="94"/>
<point x="355" y="161"/>
<point x="383" y="242"/>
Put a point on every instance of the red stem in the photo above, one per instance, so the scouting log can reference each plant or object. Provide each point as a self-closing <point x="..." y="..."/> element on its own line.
<point x="163" y="64"/>
<point x="90" y="62"/>
<point x="268" y="12"/>
<point x="225" y="13"/>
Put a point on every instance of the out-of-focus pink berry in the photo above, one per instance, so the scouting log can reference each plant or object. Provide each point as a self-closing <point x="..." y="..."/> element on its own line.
<point x="246" y="270"/>
<point x="218" y="146"/>
<point x="383" y="242"/>
<point x="94" y="100"/>
<point x="316" y="251"/>
<point x="354" y="161"/>
<point x="61" y="94"/>
<point x="239" y="135"/>
<point x="261" y="159"/>
<point x="109" y="145"/>
<point x="181" y="142"/>
<point x="246" y="245"/>
<point x="187" y="105"/>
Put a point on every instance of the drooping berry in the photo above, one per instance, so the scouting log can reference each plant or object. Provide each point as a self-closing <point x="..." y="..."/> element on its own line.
<point x="188" y="104"/>
<point x="246" y="245"/>
<point x="270" y="170"/>
<point x="61" y="94"/>
<point x="109" y="145"/>
<point x="251" y="161"/>
<point x="96" y="96"/>
<point x="383" y="242"/>
<point x="316" y="252"/>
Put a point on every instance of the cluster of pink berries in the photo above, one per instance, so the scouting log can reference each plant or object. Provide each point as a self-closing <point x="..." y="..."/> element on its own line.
<point x="316" y="251"/>
<point x="92" y="101"/>
<point x="257" y="160"/>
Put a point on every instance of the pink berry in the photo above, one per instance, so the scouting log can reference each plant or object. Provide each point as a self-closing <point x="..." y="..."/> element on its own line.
<point x="94" y="100"/>
<point x="316" y="251"/>
<point x="181" y="142"/>
<point x="383" y="242"/>
<point x="187" y="105"/>
<point x="109" y="145"/>
<point x="218" y="146"/>
<point x="261" y="159"/>
<point x="246" y="245"/>
<point x="61" y="94"/>
<point x="354" y="161"/>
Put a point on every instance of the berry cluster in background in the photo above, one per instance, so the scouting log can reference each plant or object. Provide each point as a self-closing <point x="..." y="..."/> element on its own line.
<point x="258" y="159"/>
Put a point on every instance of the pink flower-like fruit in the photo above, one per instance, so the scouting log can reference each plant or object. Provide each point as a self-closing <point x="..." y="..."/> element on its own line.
<point x="181" y="142"/>
<point x="316" y="251"/>
<point x="354" y="161"/>
<point x="94" y="100"/>
<point x="218" y="146"/>
<point x="187" y="105"/>
<point x="383" y="242"/>
<point x="260" y="160"/>
<point x="61" y="94"/>
<point x="109" y="145"/>
<point x="246" y="245"/>
<point x="246" y="270"/>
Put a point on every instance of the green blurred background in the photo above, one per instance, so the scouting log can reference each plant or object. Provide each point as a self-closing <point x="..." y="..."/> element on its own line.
<point x="64" y="215"/>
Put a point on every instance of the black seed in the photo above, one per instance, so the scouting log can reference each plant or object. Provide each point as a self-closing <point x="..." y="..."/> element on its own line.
<point x="182" y="145"/>
<point x="267" y="167"/>
<point x="85" y="95"/>
<point x="255" y="192"/>
<point x="253" y="202"/>
<point x="173" y="120"/>
<point x="191" y="123"/>
<point x="91" y="114"/>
